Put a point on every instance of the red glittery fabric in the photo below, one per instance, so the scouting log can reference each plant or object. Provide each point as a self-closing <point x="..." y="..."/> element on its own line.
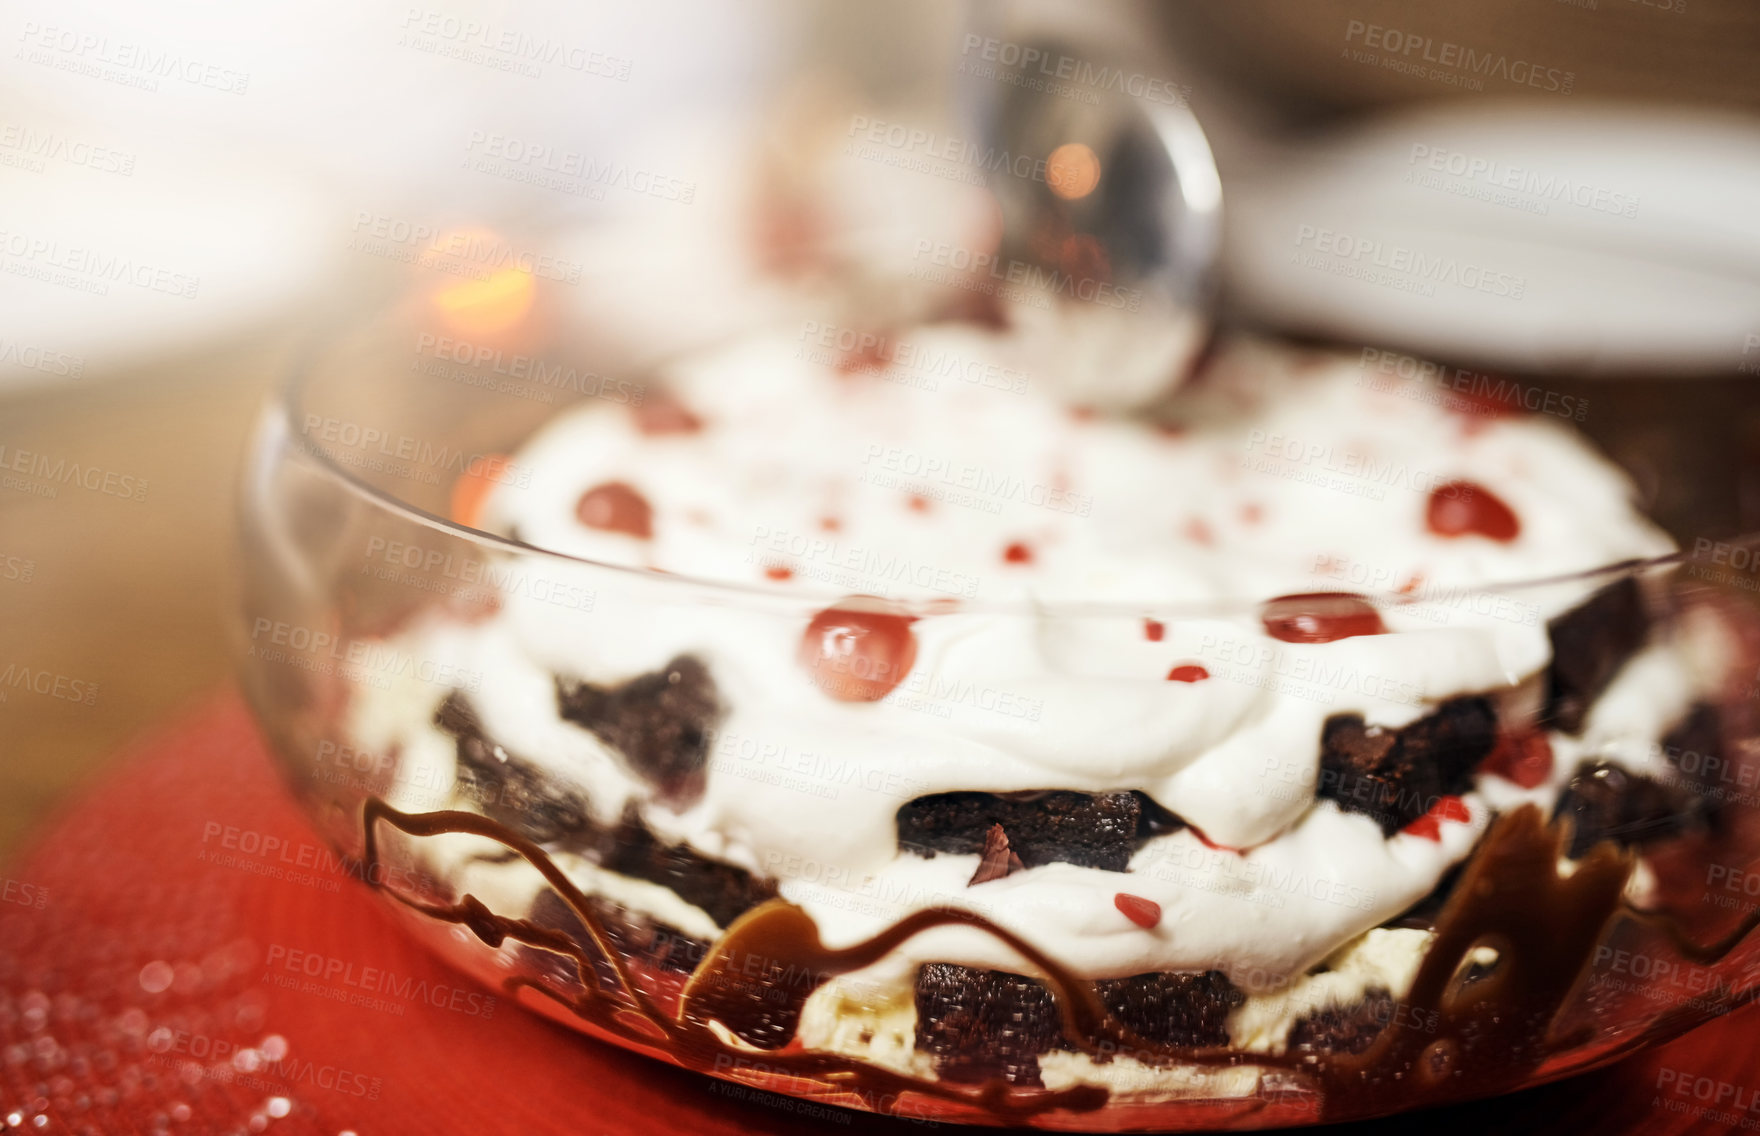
<point x="179" y="954"/>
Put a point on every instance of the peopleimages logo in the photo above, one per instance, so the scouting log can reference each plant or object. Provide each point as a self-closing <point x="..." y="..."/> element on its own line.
<point x="529" y="368"/>
<point x="1041" y="68"/>
<point x="26" y="148"/>
<point x="1405" y="50"/>
<point x="270" y="1068"/>
<point x="132" y="64"/>
<point x="1027" y="275"/>
<point x="1413" y="264"/>
<point x="42" y="474"/>
<point x="87" y="269"/>
<point x="358" y="984"/>
<point x="49" y="684"/>
<point x="461" y="251"/>
<point x="1461" y="390"/>
<point x="1502" y="175"/>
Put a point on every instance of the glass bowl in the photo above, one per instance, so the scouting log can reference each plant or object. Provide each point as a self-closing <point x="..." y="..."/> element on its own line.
<point x="369" y="632"/>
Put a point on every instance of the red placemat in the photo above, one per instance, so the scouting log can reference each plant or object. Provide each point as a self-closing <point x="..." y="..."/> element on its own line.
<point x="175" y="956"/>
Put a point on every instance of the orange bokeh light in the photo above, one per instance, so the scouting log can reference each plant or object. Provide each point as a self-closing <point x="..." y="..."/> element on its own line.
<point x="483" y="307"/>
<point x="1072" y="171"/>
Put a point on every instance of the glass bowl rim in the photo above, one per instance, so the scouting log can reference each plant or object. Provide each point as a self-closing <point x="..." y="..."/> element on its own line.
<point x="285" y="403"/>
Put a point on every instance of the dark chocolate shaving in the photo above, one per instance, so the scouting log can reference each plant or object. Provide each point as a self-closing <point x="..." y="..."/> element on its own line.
<point x="998" y="859"/>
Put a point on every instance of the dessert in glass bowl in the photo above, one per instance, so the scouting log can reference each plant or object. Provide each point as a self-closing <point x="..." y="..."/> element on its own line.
<point x="848" y="715"/>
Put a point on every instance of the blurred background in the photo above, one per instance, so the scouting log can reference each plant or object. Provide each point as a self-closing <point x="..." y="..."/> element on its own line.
<point x="191" y="192"/>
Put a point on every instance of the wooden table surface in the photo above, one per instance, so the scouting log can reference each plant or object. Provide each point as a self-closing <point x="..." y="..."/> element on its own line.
<point x="128" y="595"/>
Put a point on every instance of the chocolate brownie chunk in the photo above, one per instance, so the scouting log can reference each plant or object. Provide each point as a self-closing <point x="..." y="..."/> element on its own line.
<point x="981" y="1024"/>
<point x="660" y="722"/>
<point x="515" y="793"/>
<point x="723" y="890"/>
<point x="1589" y="645"/>
<point x="1604" y="801"/>
<point x="1695" y="749"/>
<point x="507" y="790"/>
<point x="1394" y="776"/>
<point x="647" y="941"/>
<point x="1349" y="1029"/>
<point x="1090" y="830"/>
<point x="1173" y="1007"/>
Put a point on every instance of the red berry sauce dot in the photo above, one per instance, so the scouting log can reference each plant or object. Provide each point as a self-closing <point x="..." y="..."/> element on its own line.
<point x="918" y="503"/>
<point x="1461" y="508"/>
<point x="1154" y="630"/>
<point x="1524" y="757"/>
<point x="779" y="572"/>
<point x="1187" y="672"/>
<point x="1145" y="913"/>
<point x="1320" y="617"/>
<point x="615" y="507"/>
<point x="858" y="650"/>
<point x="1429" y="826"/>
<point x="1018" y="553"/>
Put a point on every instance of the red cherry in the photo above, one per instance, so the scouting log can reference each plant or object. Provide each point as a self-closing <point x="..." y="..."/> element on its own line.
<point x="1145" y="913"/>
<point x="1154" y="630"/>
<point x="1429" y="826"/>
<point x="615" y="507"/>
<point x="661" y="413"/>
<point x="1320" y="617"/>
<point x="858" y="650"/>
<point x="1018" y="553"/>
<point x="1524" y="757"/>
<point x="1461" y="508"/>
<point x="1187" y="672"/>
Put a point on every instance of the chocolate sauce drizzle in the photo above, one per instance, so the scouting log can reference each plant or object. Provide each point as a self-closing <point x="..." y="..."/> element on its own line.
<point x="1483" y="1032"/>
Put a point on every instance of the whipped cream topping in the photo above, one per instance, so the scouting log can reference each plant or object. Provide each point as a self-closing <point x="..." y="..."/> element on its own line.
<point x="940" y="475"/>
